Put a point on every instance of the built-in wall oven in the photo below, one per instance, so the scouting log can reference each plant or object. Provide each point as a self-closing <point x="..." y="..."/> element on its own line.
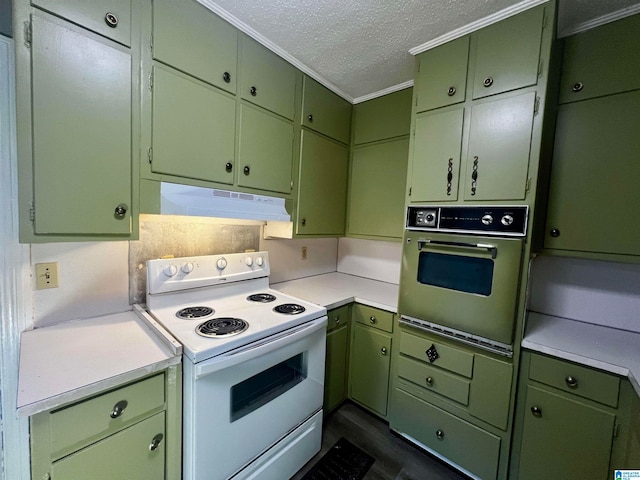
<point x="460" y="272"/>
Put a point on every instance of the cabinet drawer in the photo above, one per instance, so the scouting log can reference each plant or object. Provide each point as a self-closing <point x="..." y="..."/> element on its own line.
<point x="325" y="112"/>
<point x="434" y="379"/>
<point x="95" y="417"/>
<point x="585" y="382"/>
<point x="449" y="358"/>
<point x="337" y="317"/>
<point x="373" y="317"/>
<point x="111" y="18"/>
<point x="461" y="442"/>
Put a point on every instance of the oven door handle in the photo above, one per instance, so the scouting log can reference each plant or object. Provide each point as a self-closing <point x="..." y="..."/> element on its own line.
<point x="244" y="354"/>
<point x="486" y="246"/>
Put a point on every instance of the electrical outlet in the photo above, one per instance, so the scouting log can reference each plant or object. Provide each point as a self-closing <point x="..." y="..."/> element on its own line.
<point x="304" y="253"/>
<point x="46" y="275"/>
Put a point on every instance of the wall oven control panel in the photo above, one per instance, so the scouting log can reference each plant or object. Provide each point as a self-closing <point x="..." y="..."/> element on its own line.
<point x="510" y="221"/>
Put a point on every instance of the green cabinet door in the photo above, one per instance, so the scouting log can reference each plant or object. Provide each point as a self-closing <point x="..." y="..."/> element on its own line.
<point x="82" y="141"/>
<point x="507" y="54"/>
<point x="135" y="452"/>
<point x="325" y="112"/>
<point x="189" y="37"/>
<point x="384" y="117"/>
<point x="497" y="162"/>
<point x="267" y="80"/>
<point x="594" y="176"/>
<point x="369" y="368"/>
<point x="564" y="438"/>
<point x="435" y="167"/>
<point x="193" y="128"/>
<point x="601" y="61"/>
<point x="335" y="379"/>
<point x="265" y="156"/>
<point x="442" y="75"/>
<point x="322" y="196"/>
<point x="376" y="189"/>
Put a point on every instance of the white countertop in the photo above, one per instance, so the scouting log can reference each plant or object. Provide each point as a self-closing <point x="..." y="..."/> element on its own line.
<point x="72" y="360"/>
<point x="608" y="349"/>
<point x="333" y="290"/>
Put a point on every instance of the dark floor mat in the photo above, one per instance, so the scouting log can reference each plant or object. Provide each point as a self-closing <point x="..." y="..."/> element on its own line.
<point x="344" y="461"/>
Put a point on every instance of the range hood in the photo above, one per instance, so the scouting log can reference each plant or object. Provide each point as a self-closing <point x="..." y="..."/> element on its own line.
<point x="211" y="202"/>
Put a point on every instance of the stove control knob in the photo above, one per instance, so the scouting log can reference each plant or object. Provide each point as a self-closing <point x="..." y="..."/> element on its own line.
<point x="259" y="261"/>
<point x="487" y="220"/>
<point x="248" y="261"/>
<point x="187" y="267"/>
<point x="170" y="270"/>
<point x="221" y="263"/>
<point x="507" y="220"/>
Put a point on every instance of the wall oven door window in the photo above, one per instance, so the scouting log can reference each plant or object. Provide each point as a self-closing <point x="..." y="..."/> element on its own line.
<point x="467" y="283"/>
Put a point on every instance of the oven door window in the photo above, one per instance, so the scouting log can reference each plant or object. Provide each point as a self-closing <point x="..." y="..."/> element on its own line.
<point x="456" y="272"/>
<point x="256" y="391"/>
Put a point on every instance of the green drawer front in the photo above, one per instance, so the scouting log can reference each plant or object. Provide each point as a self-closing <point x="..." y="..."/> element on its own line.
<point x="449" y="358"/>
<point x="92" y="418"/>
<point x="435" y="380"/>
<point x="337" y="317"/>
<point x="373" y="317"/>
<point x="461" y="442"/>
<point x="585" y="382"/>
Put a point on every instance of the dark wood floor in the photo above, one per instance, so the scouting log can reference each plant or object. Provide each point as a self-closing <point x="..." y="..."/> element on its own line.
<point x="395" y="458"/>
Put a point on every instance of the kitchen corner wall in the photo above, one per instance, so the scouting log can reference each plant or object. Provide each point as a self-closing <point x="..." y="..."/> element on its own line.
<point x="286" y="259"/>
<point x="370" y="259"/>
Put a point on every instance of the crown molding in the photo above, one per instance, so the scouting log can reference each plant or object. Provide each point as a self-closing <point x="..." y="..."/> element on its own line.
<point x="477" y="25"/>
<point x="604" y="19"/>
<point x="383" y="92"/>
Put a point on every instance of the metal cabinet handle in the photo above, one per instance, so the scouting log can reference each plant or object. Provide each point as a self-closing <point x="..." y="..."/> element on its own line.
<point x="228" y="167"/>
<point x="429" y="381"/>
<point x="490" y="248"/>
<point x="439" y="434"/>
<point x="555" y="233"/>
<point x="111" y="20"/>
<point x="383" y="350"/>
<point x="226" y="76"/>
<point x="253" y="91"/>
<point x="310" y="118"/>
<point x="246" y="170"/>
<point x="337" y="320"/>
<point x="449" y="175"/>
<point x="577" y="87"/>
<point x="487" y="82"/>
<point x="452" y="91"/>
<point x="372" y="319"/>
<point x="155" y="442"/>
<point x="536" y="411"/>
<point x="572" y="382"/>
<point x="120" y="211"/>
<point x="474" y="176"/>
<point x="118" y="408"/>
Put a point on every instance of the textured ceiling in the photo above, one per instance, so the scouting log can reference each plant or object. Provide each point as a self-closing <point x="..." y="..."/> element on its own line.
<point x="359" y="48"/>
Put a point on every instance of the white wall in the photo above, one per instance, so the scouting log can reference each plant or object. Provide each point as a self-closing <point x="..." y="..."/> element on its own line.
<point x="370" y="258"/>
<point x="286" y="260"/>
<point x="603" y="293"/>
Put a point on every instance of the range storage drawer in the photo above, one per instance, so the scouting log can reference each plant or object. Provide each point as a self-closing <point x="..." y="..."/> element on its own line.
<point x="461" y="442"/>
<point x="434" y="379"/>
<point x="373" y="317"/>
<point x="575" y="379"/>
<point x="105" y="414"/>
<point x="448" y="357"/>
<point x="337" y="317"/>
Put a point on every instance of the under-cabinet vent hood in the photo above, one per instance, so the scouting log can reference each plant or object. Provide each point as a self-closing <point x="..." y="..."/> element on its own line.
<point x="210" y="202"/>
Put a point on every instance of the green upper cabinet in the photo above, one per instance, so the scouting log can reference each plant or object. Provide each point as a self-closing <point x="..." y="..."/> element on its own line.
<point x="601" y="61"/>
<point x="265" y="153"/>
<point x="267" y="80"/>
<point x="111" y="18"/>
<point x="376" y="189"/>
<point x="193" y="127"/>
<point x="442" y="75"/>
<point x="382" y="118"/>
<point x="81" y="105"/>
<point x="507" y="54"/>
<point x="187" y="36"/>
<point x="325" y="112"/>
<point x="322" y="187"/>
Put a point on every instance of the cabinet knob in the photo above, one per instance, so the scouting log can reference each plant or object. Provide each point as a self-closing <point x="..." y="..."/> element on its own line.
<point x="155" y="442"/>
<point x="111" y="20"/>
<point x="310" y="117"/>
<point x="253" y="91"/>
<point x="383" y="350"/>
<point x="120" y="211"/>
<point x="577" y="87"/>
<point x="555" y="233"/>
<point x="487" y="82"/>
<point x="372" y="320"/>
<point x="304" y="222"/>
<point x="118" y="408"/>
<point x="429" y="381"/>
<point x="228" y="166"/>
<point x="572" y="382"/>
<point x="337" y="320"/>
<point x="246" y="170"/>
<point x="452" y="91"/>
<point x="536" y="411"/>
<point x="439" y="434"/>
<point x="226" y="76"/>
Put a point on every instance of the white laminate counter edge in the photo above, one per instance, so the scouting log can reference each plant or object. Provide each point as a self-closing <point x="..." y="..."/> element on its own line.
<point x="611" y="350"/>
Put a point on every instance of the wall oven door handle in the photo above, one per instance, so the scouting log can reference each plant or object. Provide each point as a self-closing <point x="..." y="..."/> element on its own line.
<point x="259" y="348"/>
<point x="485" y="246"/>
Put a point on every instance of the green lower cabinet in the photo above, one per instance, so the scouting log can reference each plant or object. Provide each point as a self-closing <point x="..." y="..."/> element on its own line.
<point x="369" y="368"/>
<point x="335" y="380"/>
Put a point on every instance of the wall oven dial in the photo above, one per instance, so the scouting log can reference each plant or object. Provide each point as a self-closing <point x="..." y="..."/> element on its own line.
<point x="426" y="218"/>
<point x="487" y="220"/>
<point x="507" y="220"/>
